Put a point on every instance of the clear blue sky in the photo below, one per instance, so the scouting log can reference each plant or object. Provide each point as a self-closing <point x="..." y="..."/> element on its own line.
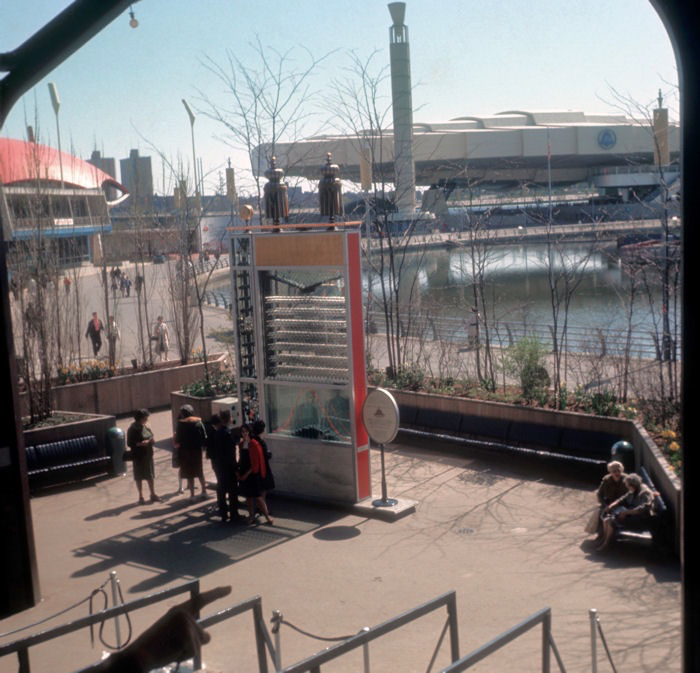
<point x="123" y="90"/>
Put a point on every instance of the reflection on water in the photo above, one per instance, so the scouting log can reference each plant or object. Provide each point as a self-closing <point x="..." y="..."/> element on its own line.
<point x="517" y="281"/>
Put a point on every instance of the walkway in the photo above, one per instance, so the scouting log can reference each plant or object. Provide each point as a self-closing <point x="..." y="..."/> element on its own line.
<point x="506" y="536"/>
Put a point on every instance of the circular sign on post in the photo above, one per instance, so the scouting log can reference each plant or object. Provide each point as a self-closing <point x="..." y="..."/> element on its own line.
<point x="380" y="414"/>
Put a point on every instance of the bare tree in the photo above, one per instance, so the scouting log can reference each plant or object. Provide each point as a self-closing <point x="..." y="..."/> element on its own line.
<point x="659" y="265"/>
<point x="264" y="103"/>
<point x="34" y="277"/>
<point x="362" y="108"/>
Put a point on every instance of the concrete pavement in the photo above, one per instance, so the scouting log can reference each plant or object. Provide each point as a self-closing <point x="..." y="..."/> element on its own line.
<point x="506" y="535"/>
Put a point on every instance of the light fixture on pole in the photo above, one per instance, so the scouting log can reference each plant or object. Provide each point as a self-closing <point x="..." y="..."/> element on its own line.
<point x="56" y="103"/>
<point x="190" y="114"/>
<point x="133" y="22"/>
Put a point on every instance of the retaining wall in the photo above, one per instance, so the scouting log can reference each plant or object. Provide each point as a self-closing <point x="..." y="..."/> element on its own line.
<point x="121" y="395"/>
<point x="567" y="433"/>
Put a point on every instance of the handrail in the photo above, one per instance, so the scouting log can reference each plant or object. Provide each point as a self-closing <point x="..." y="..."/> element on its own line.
<point x="262" y="636"/>
<point x="578" y="338"/>
<point x="313" y="663"/>
<point x="543" y="617"/>
<point x="596" y="625"/>
<point x="21" y="646"/>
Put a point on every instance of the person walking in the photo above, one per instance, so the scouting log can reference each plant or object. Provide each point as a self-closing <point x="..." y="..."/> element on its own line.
<point x="140" y="440"/>
<point x="113" y="334"/>
<point x="190" y="440"/>
<point x="94" y="332"/>
<point x="161" y="338"/>
<point x="125" y="285"/>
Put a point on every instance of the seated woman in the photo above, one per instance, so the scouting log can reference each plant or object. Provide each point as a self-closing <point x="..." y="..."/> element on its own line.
<point x="632" y="511"/>
<point x="612" y="486"/>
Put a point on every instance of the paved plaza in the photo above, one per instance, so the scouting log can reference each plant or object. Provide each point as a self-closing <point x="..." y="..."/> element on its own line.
<point x="505" y="535"/>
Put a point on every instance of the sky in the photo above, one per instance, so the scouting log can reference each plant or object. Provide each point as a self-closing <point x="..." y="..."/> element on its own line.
<point x="123" y="90"/>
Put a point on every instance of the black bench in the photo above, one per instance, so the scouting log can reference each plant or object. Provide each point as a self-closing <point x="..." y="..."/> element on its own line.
<point x="583" y="449"/>
<point x="66" y="460"/>
<point x="657" y="530"/>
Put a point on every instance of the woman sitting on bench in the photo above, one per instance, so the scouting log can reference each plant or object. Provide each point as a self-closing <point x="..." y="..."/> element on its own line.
<point x="632" y="511"/>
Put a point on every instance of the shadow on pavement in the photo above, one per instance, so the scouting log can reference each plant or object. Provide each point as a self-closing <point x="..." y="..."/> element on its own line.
<point x="192" y="541"/>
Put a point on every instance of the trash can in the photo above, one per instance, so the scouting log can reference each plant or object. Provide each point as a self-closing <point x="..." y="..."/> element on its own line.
<point x="116" y="445"/>
<point x="624" y="452"/>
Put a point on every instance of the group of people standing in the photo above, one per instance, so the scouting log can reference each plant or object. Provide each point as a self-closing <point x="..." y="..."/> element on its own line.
<point x="239" y="458"/>
<point x="241" y="462"/>
<point x="120" y="281"/>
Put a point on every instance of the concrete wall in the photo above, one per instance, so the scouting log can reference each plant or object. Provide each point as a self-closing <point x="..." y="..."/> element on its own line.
<point x="122" y="395"/>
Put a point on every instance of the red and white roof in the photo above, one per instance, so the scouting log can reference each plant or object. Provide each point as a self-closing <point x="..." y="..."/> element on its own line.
<point x="23" y="162"/>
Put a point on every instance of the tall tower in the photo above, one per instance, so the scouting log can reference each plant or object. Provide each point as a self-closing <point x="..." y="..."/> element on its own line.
<point x="662" y="156"/>
<point x="402" y="105"/>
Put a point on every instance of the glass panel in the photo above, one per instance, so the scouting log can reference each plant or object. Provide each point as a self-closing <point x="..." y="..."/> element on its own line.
<point x="308" y="412"/>
<point x="305" y="326"/>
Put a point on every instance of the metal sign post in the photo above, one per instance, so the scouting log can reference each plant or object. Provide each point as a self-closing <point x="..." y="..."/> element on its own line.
<point x="380" y="415"/>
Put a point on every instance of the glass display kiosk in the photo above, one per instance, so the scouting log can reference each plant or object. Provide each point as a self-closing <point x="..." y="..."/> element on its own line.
<point x="300" y="356"/>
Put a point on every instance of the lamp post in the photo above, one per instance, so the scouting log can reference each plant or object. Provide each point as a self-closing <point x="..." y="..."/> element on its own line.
<point x="190" y="114"/>
<point x="56" y="103"/>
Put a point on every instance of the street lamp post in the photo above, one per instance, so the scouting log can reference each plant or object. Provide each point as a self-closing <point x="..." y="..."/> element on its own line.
<point x="191" y="115"/>
<point x="56" y="103"/>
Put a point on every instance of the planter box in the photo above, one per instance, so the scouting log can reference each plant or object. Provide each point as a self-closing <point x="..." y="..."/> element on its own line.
<point x="201" y="405"/>
<point x="90" y="424"/>
<point x="121" y="395"/>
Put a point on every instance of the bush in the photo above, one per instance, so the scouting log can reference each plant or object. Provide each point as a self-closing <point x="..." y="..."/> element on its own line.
<point x="218" y="384"/>
<point x="525" y="360"/>
<point x="93" y="370"/>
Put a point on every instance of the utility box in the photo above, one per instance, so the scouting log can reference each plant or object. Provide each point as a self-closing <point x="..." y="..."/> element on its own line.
<point x="230" y="403"/>
<point x="298" y="321"/>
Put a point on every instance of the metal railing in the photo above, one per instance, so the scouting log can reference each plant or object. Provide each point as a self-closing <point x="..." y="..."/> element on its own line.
<point x="597" y="630"/>
<point x="643" y="343"/>
<point x="22" y="646"/>
<point x="368" y="634"/>
<point x="543" y="617"/>
<point x="312" y="664"/>
<point x="263" y="641"/>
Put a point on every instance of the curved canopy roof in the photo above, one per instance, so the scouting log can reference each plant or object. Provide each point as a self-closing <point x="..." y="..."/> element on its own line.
<point x="22" y="163"/>
<point x="509" y="148"/>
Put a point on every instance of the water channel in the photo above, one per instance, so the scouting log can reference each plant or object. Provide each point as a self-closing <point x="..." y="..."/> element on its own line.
<point x="518" y="294"/>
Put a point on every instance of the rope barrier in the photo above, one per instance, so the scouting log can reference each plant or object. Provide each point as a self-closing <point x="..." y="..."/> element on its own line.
<point x="605" y="644"/>
<point x="118" y="646"/>
<point x="99" y="591"/>
<point x="278" y="620"/>
<point x="57" y="614"/>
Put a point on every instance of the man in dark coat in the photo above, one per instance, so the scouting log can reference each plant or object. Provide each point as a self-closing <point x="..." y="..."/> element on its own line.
<point x="222" y="452"/>
<point x="94" y="333"/>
